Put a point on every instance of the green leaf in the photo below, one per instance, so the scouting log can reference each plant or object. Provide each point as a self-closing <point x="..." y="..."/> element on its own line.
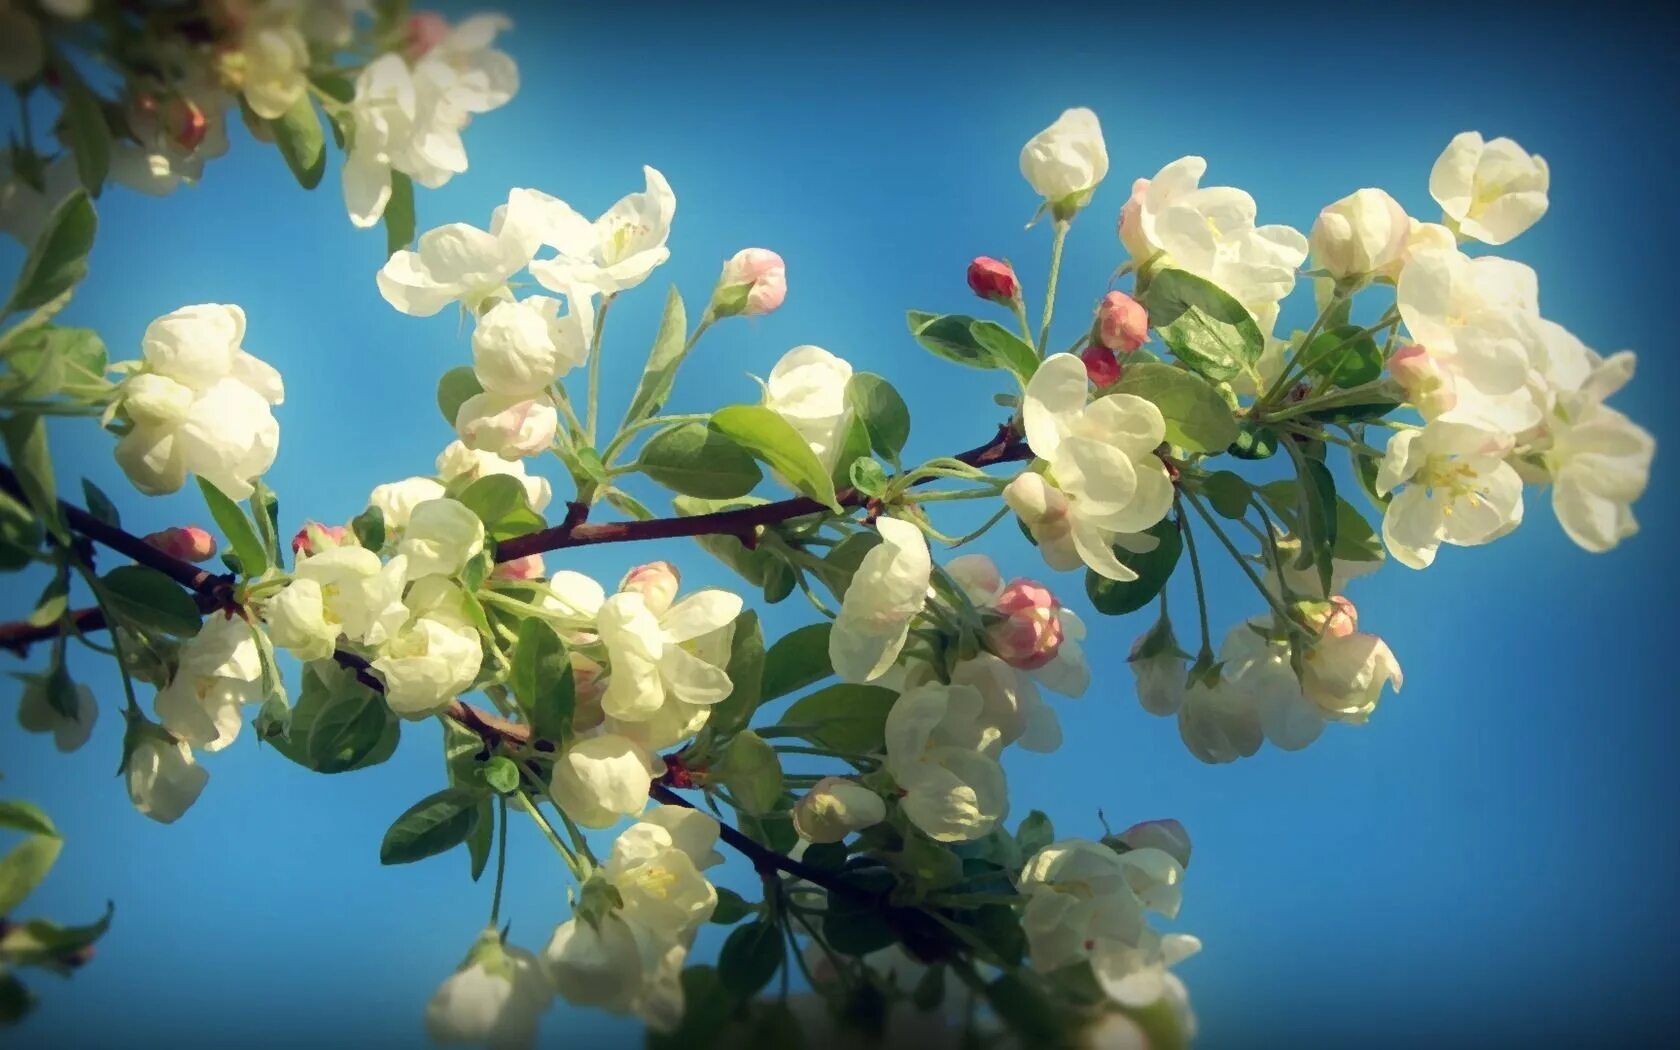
<point x="950" y="336"/>
<point x="1365" y="471"/>
<point x="854" y="445"/>
<point x="797" y="660"/>
<point x="773" y="440"/>
<point x="868" y="477"/>
<point x="931" y="865"/>
<point x="1228" y="493"/>
<point x="1356" y="540"/>
<point x="542" y="680"/>
<point x="242" y="538"/>
<point x="89" y="137"/>
<point x="845" y="717"/>
<point x="20" y="534"/>
<point x="369" y="527"/>
<point x="399" y="217"/>
<point x="39" y="942"/>
<point x="1354" y="412"/>
<point x="1035" y="833"/>
<point x="752" y="772"/>
<point x="750" y="957"/>
<point x="883" y="412"/>
<point x="853" y="927"/>
<point x="707" y="1008"/>
<point x="1346" y="356"/>
<point x="100" y="505"/>
<point x="24" y="867"/>
<point x="664" y="357"/>
<point x="1114" y="598"/>
<point x="50" y="359"/>
<point x="1197" y="417"/>
<point x="502" y="775"/>
<point x="148" y="598"/>
<point x="751" y="565"/>
<point x="503" y="505"/>
<point x="1202" y="325"/>
<point x="695" y="460"/>
<point x="25" y="437"/>
<point x="265" y="512"/>
<point x="54" y="601"/>
<point x="26" y="817"/>
<point x="1254" y="441"/>
<point x="746" y="671"/>
<point x="1006" y="348"/>
<point x="339" y="725"/>
<point x="15" y="1000"/>
<point x="731" y="907"/>
<point x="1028" y="1012"/>
<point x="453" y="389"/>
<point x="437" y="823"/>
<point x="1308" y="506"/>
<point x="298" y="134"/>
<point x="58" y="259"/>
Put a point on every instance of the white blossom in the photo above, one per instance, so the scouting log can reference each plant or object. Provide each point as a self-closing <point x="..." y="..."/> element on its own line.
<point x="457" y="462"/>
<point x="614" y="253"/>
<point x="468" y="73"/>
<point x="36" y="714"/>
<point x="360" y="598"/>
<point x="521" y="347"/>
<point x="220" y="671"/>
<point x="653" y="666"/>
<point x="273" y="63"/>
<point x="1454" y="487"/>
<point x="808" y="389"/>
<point x="510" y="426"/>
<point x="1104" y="483"/>
<point x="887" y="592"/>
<point x="603" y="778"/>
<point x="462" y="263"/>
<point x="496" y="998"/>
<point x="1362" y="234"/>
<point x="440" y="538"/>
<point x="427" y="664"/>
<point x="936" y="746"/>
<point x="396" y="500"/>
<point x="1065" y="162"/>
<point x="1491" y="191"/>
<point x="834" y="807"/>
<point x="163" y="779"/>
<point x="1345" y="676"/>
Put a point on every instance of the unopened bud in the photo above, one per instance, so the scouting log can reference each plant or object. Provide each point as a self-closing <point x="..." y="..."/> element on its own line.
<point x="1101" y="365"/>
<point x="1427" y="384"/>
<point x="993" y="280"/>
<point x="314" y="538"/>
<point x="1168" y="836"/>
<point x="1030" y="633"/>
<point x="656" y="582"/>
<point x="834" y="808"/>
<point x="1122" y="323"/>
<point x="1041" y="506"/>
<point x="527" y="568"/>
<point x="187" y="542"/>
<point x="425" y="30"/>
<point x="753" y="283"/>
<point x="1336" y="618"/>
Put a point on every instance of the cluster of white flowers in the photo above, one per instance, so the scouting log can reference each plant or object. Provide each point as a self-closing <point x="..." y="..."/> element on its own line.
<point x="196" y="403"/>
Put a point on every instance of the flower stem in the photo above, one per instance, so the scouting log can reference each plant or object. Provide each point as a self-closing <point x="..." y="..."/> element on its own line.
<point x="595" y="368"/>
<point x="1059" y="238"/>
<point x="1196" y="572"/>
<point x="1242" y="562"/>
<point x="501" y="860"/>
<point x="550" y="834"/>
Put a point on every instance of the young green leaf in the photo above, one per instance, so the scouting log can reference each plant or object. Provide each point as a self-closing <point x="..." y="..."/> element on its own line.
<point x="100" y="505"/>
<point x="696" y="460"/>
<point x="883" y="412"/>
<point x="454" y="388"/>
<point x="746" y="672"/>
<point x="437" y="823"/>
<point x="399" y="216"/>
<point x="797" y="660"/>
<point x="752" y="772"/>
<point x="1346" y="356"/>
<point x="85" y="127"/>
<point x="664" y="357"/>
<point x="369" y="528"/>
<point x="542" y="680"/>
<point x="24" y="867"/>
<point x="1154" y="568"/>
<point x="338" y="725"/>
<point x="1228" y="493"/>
<point x="503" y="505"/>
<point x="26" y="817"/>
<point x="25" y="437"/>
<point x="1197" y="417"/>
<point x="950" y="336"/>
<point x="846" y="717"/>
<point x="772" y="439"/>
<point x="58" y="259"/>
<point x="1202" y="325"/>
<point x="750" y="957"/>
<point x="1006" y="348"/>
<point x="148" y="598"/>
<point x="236" y="526"/>
<point x="298" y="134"/>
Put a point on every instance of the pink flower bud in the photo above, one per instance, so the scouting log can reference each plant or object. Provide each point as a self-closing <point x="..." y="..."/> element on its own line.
<point x="1122" y="323"/>
<point x="656" y="582"/>
<point x="187" y="542"/>
<point x="314" y="538"/>
<point x="1168" y="836"/>
<point x="1342" y="619"/>
<point x="753" y="283"/>
<point x="425" y="30"/>
<point x="1101" y="365"/>
<point x="1030" y="633"/>
<point x="993" y="280"/>
<point x="1427" y="384"/>
<point x="527" y="568"/>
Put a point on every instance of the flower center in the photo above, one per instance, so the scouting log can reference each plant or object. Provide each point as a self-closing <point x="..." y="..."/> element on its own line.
<point x="1457" y="481"/>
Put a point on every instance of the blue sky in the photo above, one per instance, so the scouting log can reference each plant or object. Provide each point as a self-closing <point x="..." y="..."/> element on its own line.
<point x="1493" y="854"/>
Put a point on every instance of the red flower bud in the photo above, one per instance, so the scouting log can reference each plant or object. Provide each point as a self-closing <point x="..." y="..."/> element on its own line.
<point x="1030" y="633"/>
<point x="187" y="542"/>
<point x="993" y="280"/>
<point x="1101" y="365"/>
<point x="187" y="123"/>
<point x="1122" y="323"/>
<point x="314" y="537"/>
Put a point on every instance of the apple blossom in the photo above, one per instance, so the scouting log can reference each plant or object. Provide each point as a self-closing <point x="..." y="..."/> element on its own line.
<point x="1168" y="836"/>
<point x="521" y="347"/>
<point x="38" y="714"/>
<point x="1011" y="709"/>
<point x="163" y="778"/>
<point x="315" y="537"/>
<point x="1122" y="324"/>
<point x="199" y="404"/>
<point x="1065" y="162"/>
<point x="427" y="664"/>
<point x="1108" y="482"/>
<point x="1345" y="675"/>
<point x="1256" y="672"/>
<point x="835" y="807"/>
<point x="423" y="31"/>
<point x="1030" y="633"/>
<point x="808" y="389"/>
<point x="511" y="426"/>
<point x="396" y="500"/>
<point x="653" y="666"/>
<point x="887" y="592"/>
<point x="530" y="567"/>
<point x="187" y="542"/>
<point x="495" y="998"/>
<point x="1159" y="666"/>
<point x="173" y="137"/>
<point x="220" y="671"/>
<point x="297" y="621"/>
<point x="948" y="786"/>
<point x="1428" y="385"/>
<point x="271" y="63"/>
<point x="603" y="778"/>
<point x="657" y="582"/>
<point x="1491" y="191"/>
<point x="753" y="283"/>
<point x="1218" y="723"/>
<point x="614" y="253"/>
<point x="360" y="597"/>
<point x="1454" y="487"/>
<point x="459" y="464"/>
<point x="1066" y="672"/>
<point x="993" y="280"/>
<point x="462" y="263"/>
<point x="441" y="536"/>
<point x="467" y="72"/>
<point x="1362" y="234"/>
<point x="1210" y="232"/>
